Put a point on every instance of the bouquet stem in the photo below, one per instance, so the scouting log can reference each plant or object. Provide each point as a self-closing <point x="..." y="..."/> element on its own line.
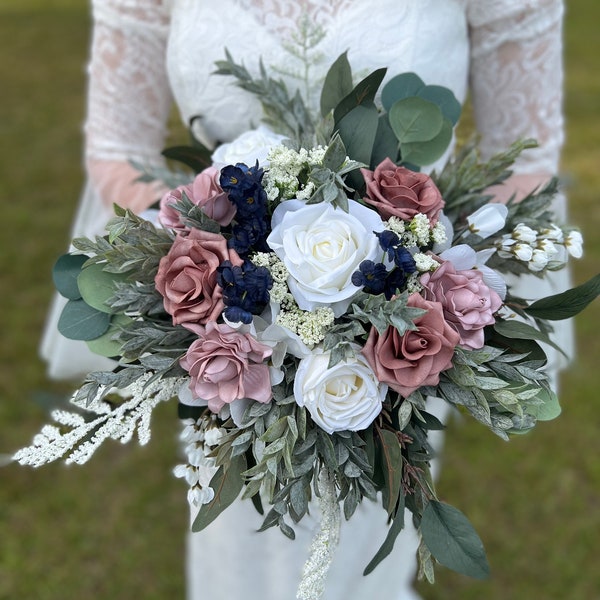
<point x="324" y="544"/>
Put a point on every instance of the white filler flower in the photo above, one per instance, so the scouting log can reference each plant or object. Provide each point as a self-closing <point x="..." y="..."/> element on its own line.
<point x="321" y="246"/>
<point x="344" y="397"/>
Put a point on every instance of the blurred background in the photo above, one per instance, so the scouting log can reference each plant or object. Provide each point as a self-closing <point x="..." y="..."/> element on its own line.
<point x="115" y="528"/>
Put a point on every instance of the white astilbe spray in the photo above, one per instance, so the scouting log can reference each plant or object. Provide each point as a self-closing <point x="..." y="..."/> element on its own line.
<point x="325" y="542"/>
<point x="85" y="436"/>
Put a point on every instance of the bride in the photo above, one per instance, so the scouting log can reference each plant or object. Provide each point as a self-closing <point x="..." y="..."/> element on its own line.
<point x="505" y="53"/>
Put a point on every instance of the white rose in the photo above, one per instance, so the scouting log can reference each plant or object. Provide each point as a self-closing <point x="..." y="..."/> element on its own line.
<point x="346" y="397"/>
<point x="247" y="148"/>
<point x="321" y="246"/>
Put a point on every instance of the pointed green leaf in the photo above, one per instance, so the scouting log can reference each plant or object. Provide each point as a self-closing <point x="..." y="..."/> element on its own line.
<point x="337" y="85"/>
<point x="363" y="93"/>
<point x="275" y="431"/>
<point x="227" y="484"/>
<point x="388" y="544"/>
<point x="452" y="541"/>
<point x="392" y="456"/>
<point x="520" y="330"/>
<point x="195" y="157"/>
<point x="415" y="120"/>
<point x="97" y="285"/>
<point x="358" y="129"/>
<point x="385" y="144"/>
<point x="335" y="155"/>
<point x="65" y="272"/>
<point x="79" y="321"/>
<point x="567" y="304"/>
<point x="400" y="87"/>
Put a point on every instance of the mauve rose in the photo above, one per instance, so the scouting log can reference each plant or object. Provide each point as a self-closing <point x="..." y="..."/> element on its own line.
<point x="208" y="195"/>
<point x="187" y="276"/>
<point x="205" y="192"/>
<point x="469" y="304"/>
<point x="167" y="215"/>
<point x="226" y="365"/>
<point x="407" y="362"/>
<point x="399" y="192"/>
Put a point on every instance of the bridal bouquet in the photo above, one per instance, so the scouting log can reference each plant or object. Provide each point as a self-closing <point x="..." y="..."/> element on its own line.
<point x="304" y="295"/>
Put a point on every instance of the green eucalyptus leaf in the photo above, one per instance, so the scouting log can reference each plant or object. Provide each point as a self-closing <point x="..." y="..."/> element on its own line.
<point x="567" y="304"/>
<point x="548" y="409"/>
<point x="426" y="153"/>
<point x="79" y="321"/>
<point x="227" y="483"/>
<point x="65" y="272"/>
<point x="400" y="87"/>
<point x="358" y="129"/>
<point x="337" y="85"/>
<point x="453" y="541"/>
<point x="415" y="120"/>
<point x="97" y="286"/>
<point x="105" y="345"/>
<point x="363" y="93"/>
<point x="445" y="99"/>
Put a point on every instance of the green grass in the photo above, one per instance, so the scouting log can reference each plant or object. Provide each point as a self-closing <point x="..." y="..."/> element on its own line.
<point x="115" y="529"/>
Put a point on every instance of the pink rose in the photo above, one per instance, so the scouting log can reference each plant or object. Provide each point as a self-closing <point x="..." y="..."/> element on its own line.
<point x="407" y="362"/>
<point x="187" y="276"/>
<point x="208" y="195"/>
<point x="205" y="192"/>
<point x="469" y="304"/>
<point x="226" y="365"/>
<point x="167" y="215"/>
<point x="398" y="192"/>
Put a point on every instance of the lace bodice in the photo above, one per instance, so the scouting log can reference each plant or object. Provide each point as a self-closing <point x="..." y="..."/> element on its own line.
<point x="507" y="52"/>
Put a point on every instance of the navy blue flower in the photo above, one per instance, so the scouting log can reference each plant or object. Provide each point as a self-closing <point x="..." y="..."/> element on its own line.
<point x="249" y="234"/>
<point x="371" y="276"/>
<point x="388" y="240"/>
<point x="245" y="289"/>
<point x="394" y="283"/>
<point x="404" y="260"/>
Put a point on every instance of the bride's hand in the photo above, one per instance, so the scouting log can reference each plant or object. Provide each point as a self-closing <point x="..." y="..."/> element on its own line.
<point x="519" y="185"/>
<point x="115" y="182"/>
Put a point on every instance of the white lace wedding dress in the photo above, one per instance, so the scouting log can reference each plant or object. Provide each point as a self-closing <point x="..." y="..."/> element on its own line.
<point x="144" y="52"/>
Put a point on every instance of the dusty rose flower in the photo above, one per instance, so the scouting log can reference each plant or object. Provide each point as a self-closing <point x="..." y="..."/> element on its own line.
<point x="469" y="304"/>
<point x="399" y="192"/>
<point x="187" y="276"/>
<point x="205" y="192"/>
<point x="226" y="365"/>
<point x="407" y="362"/>
<point x="208" y="195"/>
<point x="167" y="215"/>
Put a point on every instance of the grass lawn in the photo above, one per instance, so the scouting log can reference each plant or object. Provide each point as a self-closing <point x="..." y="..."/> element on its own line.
<point x="115" y="529"/>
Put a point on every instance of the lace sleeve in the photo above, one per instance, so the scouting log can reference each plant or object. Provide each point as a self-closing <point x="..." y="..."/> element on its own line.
<point x="128" y="98"/>
<point x="516" y="77"/>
